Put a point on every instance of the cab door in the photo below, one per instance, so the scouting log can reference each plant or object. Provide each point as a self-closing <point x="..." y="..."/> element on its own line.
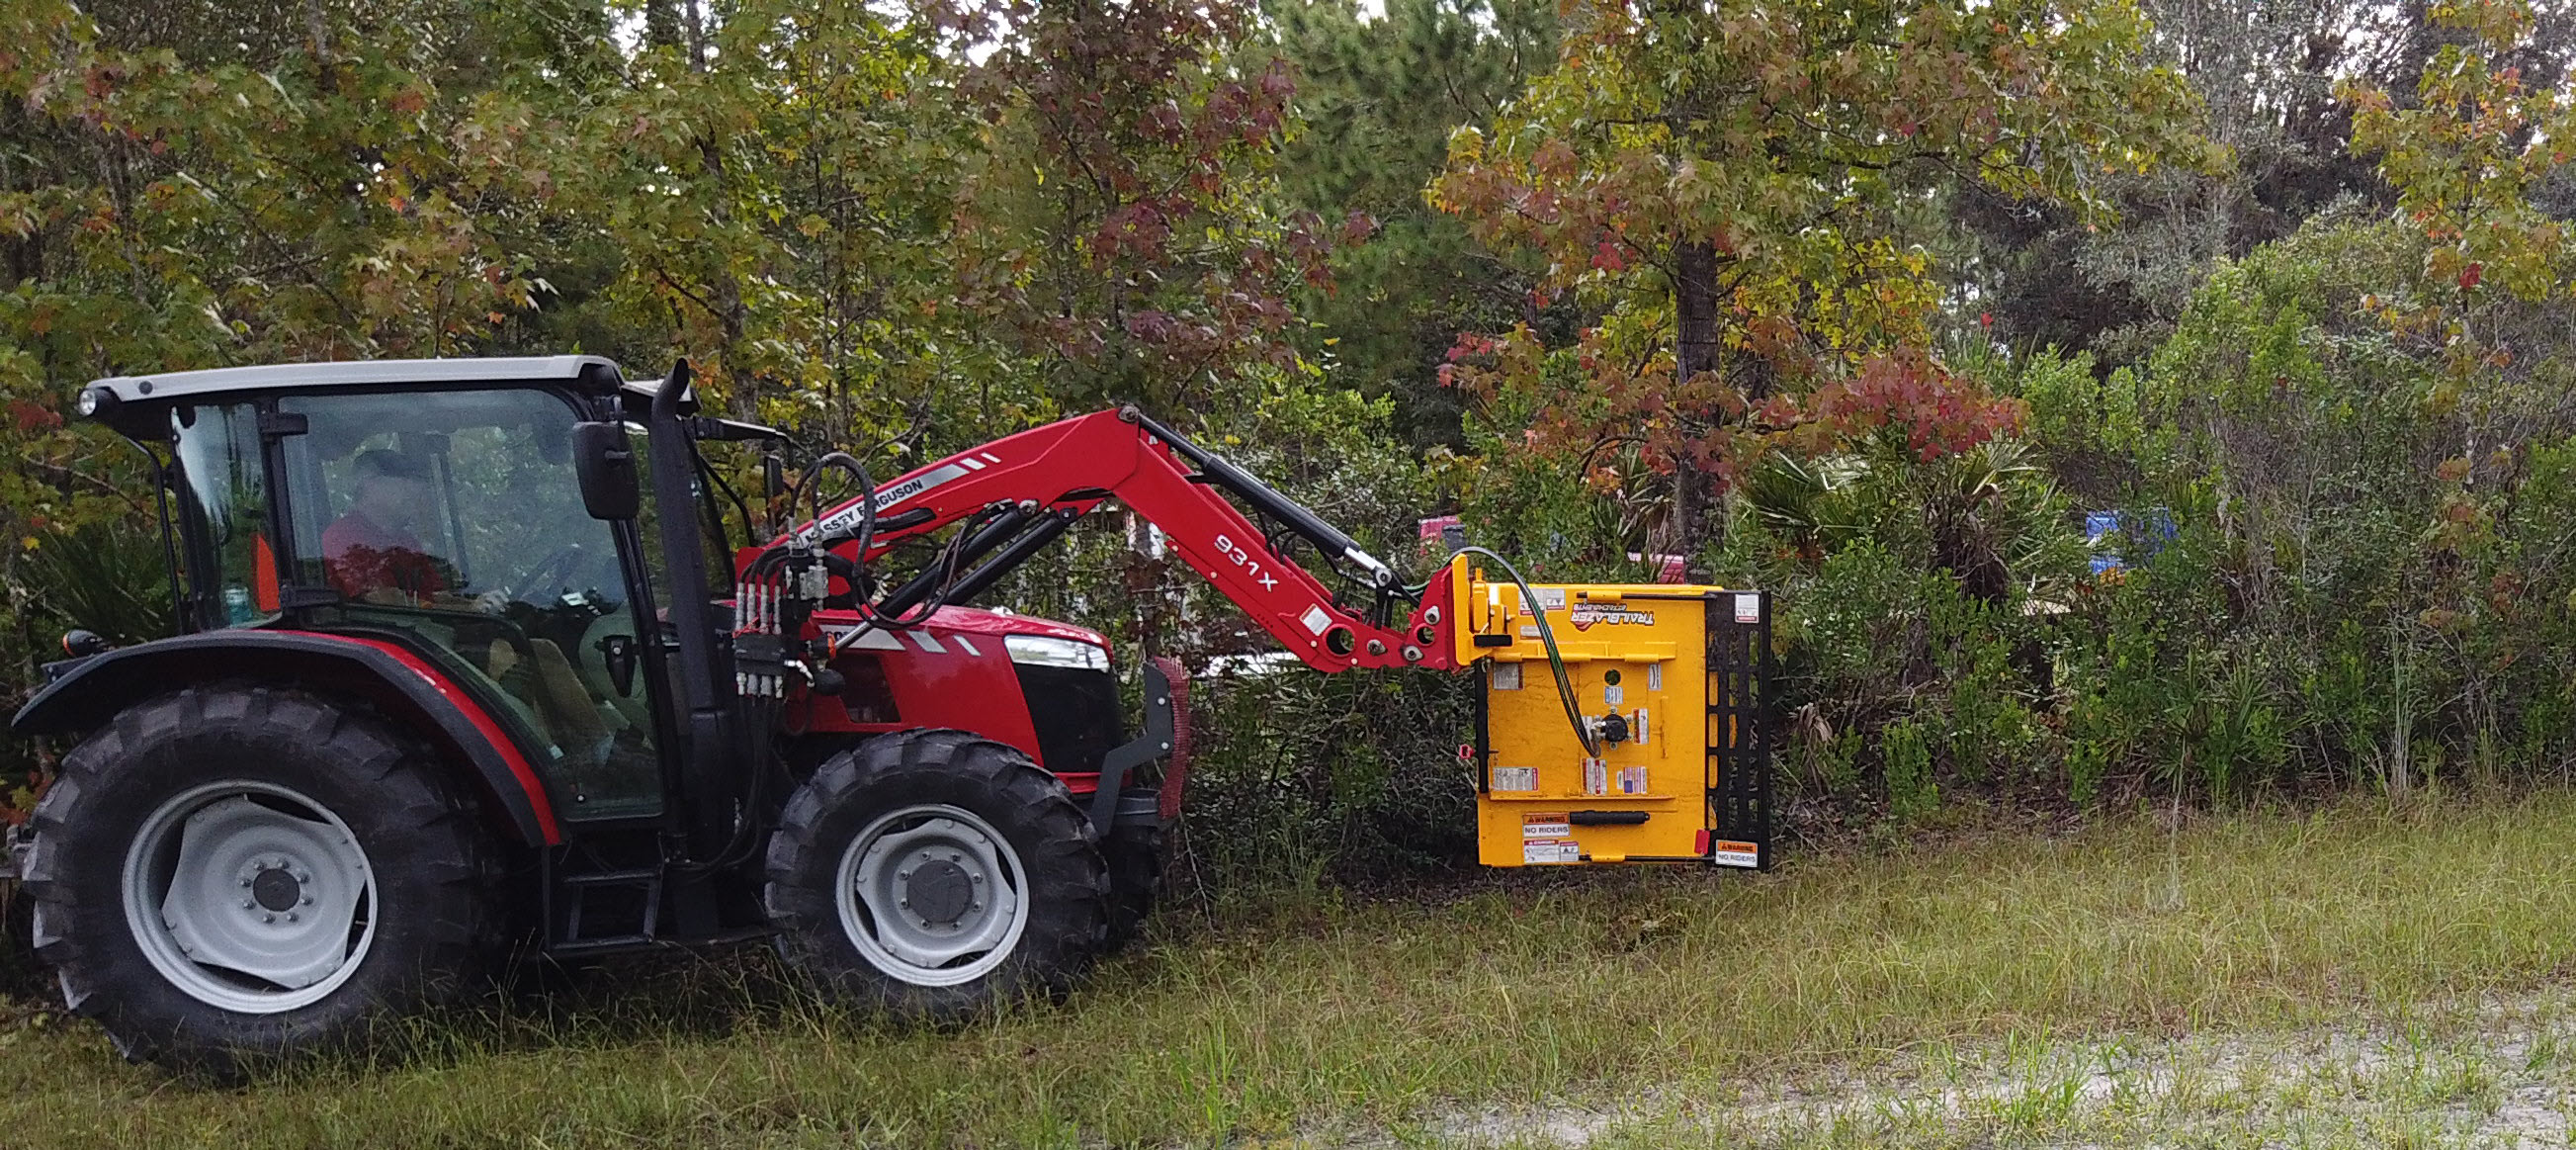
<point x="455" y="519"/>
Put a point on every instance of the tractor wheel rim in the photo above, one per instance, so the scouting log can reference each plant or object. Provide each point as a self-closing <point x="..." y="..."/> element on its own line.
<point x="250" y="897"/>
<point x="932" y="895"/>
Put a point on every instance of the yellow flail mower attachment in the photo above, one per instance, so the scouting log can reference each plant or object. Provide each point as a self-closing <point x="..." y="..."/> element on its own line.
<point x="1618" y="723"/>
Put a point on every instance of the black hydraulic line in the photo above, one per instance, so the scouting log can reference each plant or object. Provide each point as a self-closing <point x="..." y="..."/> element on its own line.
<point x="768" y="560"/>
<point x="1547" y="639"/>
<point x="974" y="547"/>
<point x="867" y="525"/>
<point x="1016" y="552"/>
<point x="1261" y="496"/>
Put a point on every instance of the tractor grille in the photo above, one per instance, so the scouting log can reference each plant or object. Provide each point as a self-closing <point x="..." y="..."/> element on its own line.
<point x="1075" y="711"/>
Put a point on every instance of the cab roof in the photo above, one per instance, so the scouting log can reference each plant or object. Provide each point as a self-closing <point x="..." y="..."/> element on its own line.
<point x="596" y="371"/>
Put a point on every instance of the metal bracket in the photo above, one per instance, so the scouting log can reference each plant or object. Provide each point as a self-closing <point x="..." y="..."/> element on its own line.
<point x="1156" y="742"/>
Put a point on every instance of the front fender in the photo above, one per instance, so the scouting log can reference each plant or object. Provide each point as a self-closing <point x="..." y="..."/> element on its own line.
<point x="404" y="686"/>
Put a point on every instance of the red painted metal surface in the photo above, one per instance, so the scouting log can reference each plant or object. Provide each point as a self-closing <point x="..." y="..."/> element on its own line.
<point x="953" y="671"/>
<point x="482" y="721"/>
<point x="1079" y="463"/>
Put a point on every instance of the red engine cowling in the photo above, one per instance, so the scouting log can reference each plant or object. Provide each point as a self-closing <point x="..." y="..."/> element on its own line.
<point x="1039" y="685"/>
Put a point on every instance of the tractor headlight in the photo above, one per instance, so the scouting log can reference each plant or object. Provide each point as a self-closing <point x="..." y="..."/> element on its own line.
<point x="1049" y="651"/>
<point x="93" y="400"/>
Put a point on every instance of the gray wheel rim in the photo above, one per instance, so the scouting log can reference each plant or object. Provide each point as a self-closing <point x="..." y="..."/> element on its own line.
<point x="249" y="897"/>
<point x="932" y="895"/>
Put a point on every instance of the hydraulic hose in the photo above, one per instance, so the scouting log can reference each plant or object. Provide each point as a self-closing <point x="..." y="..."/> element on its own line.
<point x="1547" y="639"/>
<point x="867" y="529"/>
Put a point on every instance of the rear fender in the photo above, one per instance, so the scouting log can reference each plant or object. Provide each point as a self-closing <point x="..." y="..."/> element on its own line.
<point x="87" y="694"/>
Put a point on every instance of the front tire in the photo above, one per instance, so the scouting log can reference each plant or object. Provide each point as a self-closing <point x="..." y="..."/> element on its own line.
<point x="933" y="874"/>
<point x="231" y="874"/>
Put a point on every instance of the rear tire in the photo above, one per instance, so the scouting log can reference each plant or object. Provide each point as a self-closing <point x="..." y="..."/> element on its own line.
<point x="933" y="874"/>
<point x="232" y="874"/>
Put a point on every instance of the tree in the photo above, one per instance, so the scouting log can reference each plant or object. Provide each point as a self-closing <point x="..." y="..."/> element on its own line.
<point x="1119" y="222"/>
<point x="1727" y="181"/>
<point x="1378" y="97"/>
<point x="2266" y="71"/>
<point x="2465" y="160"/>
<point x="772" y="195"/>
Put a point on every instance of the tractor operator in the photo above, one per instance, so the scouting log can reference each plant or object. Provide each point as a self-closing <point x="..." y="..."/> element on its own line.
<point x="373" y="554"/>
<point x="372" y="550"/>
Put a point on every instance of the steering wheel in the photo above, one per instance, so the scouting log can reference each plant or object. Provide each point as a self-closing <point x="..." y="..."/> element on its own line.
<point x="556" y="567"/>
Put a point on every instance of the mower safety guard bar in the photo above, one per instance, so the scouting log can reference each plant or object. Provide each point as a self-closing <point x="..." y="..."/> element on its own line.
<point x="1032" y="484"/>
<point x="1166" y="734"/>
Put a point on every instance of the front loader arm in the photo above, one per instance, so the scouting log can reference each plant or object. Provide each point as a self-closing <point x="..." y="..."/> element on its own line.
<point x="1015" y="494"/>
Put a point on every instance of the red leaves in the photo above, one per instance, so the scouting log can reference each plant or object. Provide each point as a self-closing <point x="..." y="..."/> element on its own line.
<point x="1554" y="160"/>
<point x="2470" y="275"/>
<point x="1136" y="230"/>
<point x="1938" y="413"/>
<point x="1606" y="257"/>
<point x="1153" y="129"/>
<point x="32" y="416"/>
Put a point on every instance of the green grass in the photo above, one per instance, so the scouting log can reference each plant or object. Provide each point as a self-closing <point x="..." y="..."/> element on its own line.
<point x="1383" y="1018"/>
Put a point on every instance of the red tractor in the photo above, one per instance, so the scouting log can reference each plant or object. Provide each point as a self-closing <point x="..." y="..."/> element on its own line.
<point x="470" y="660"/>
<point x="473" y="664"/>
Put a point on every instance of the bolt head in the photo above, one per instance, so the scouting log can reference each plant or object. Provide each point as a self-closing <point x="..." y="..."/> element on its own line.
<point x="291" y="916"/>
<point x="307" y="900"/>
<point x="904" y="874"/>
<point x="266" y="917"/>
<point x="247" y="904"/>
<point x="974" y="906"/>
<point x="245" y="882"/>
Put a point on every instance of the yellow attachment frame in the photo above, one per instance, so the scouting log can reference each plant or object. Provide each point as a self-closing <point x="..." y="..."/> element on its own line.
<point x="1668" y="678"/>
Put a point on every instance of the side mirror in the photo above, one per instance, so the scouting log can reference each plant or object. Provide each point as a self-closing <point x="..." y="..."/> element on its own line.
<point x="605" y="463"/>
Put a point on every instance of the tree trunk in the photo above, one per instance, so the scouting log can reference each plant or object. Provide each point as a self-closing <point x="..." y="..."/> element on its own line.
<point x="1694" y="352"/>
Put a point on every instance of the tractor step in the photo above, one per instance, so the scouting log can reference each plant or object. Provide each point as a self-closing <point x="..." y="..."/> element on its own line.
<point x="592" y="911"/>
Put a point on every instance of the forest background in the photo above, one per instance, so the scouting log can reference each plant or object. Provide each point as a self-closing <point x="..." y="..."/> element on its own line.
<point x="1891" y="308"/>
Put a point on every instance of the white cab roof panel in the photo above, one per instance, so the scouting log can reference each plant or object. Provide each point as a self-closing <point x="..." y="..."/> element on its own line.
<point x="357" y="373"/>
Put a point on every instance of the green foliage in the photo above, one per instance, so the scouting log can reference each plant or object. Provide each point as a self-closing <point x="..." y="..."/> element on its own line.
<point x="1911" y="793"/>
<point x="1378" y="97"/>
<point x="1610" y="281"/>
<point x="1727" y="184"/>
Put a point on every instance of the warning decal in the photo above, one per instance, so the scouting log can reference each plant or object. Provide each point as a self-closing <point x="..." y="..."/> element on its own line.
<point x="1537" y="851"/>
<point x="1728" y="852"/>
<point x="1515" y="778"/>
<point x="1548" y="826"/>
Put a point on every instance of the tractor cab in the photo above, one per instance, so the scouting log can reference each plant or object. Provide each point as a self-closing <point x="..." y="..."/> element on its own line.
<point x="440" y="516"/>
